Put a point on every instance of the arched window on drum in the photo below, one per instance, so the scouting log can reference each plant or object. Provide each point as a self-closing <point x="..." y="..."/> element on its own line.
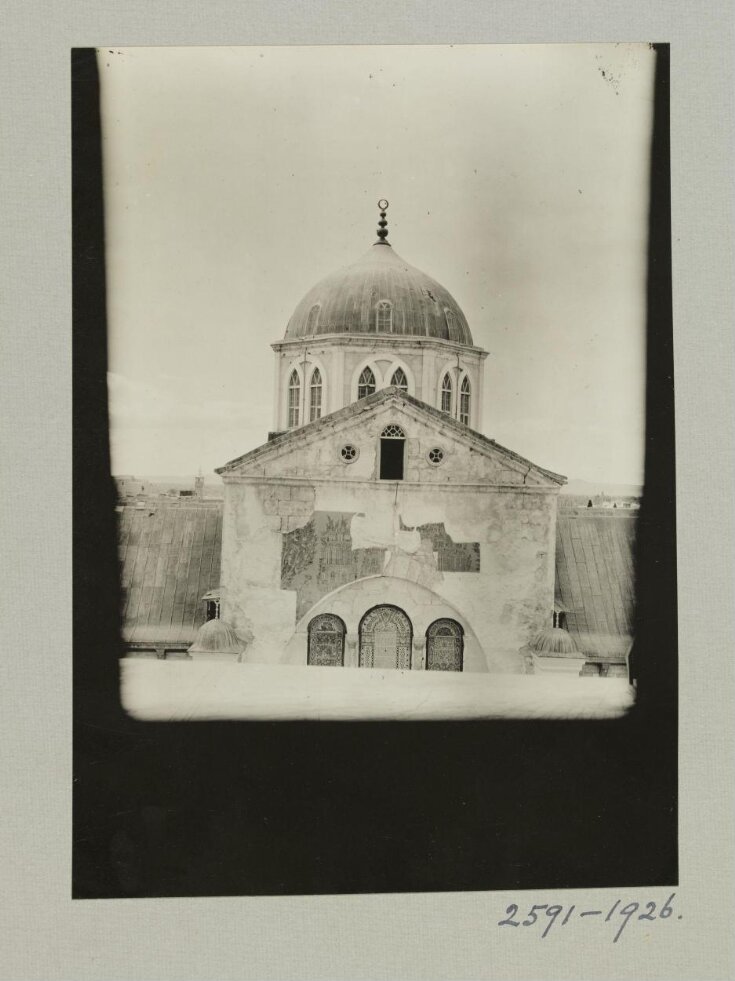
<point x="315" y="395"/>
<point x="400" y="380"/>
<point x="326" y="641"/>
<point x="366" y="383"/>
<point x="444" y="646"/>
<point x="464" y="401"/>
<point x="384" y="316"/>
<point x="447" y="394"/>
<point x="294" y="396"/>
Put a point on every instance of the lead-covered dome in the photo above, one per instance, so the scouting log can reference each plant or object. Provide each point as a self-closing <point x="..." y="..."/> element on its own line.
<point x="379" y="294"/>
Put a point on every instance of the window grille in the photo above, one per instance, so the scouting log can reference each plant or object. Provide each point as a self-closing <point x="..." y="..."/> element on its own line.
<point x="393" y="432"/>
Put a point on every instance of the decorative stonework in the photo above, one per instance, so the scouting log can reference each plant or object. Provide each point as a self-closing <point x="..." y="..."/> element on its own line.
<point x="319" y="557"/>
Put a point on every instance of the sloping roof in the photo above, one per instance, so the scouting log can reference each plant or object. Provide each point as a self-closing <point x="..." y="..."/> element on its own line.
<point x="595" y="579"/>
<point x="371" y="404"/>
<point x="170" y="557"/>
<point x="346" y="300"/>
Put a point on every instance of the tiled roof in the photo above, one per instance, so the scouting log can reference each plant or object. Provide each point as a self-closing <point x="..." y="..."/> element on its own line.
<point x="170" y="557"/>
<point x="595" y="579"/>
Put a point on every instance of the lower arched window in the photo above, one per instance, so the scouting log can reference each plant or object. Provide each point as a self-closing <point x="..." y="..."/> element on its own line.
<point x="385" y="638"/>
<point x="464" y="401"/>
<point x="366" y="383"/>
<point x="315" y="395"/>
<point x="447" y="394"/>
<point x="294" y="396"/>
<point x="444" y="646"/>
<point x="326" y="641"/>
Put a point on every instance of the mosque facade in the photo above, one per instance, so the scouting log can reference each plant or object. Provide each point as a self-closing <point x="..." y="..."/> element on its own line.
<point x="378" y="527"/>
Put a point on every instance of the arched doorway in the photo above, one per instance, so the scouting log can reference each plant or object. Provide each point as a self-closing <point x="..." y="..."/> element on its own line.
<point x="326" y="641"/>
<point x="385" y="638"/>
<point x="444" y="646"/>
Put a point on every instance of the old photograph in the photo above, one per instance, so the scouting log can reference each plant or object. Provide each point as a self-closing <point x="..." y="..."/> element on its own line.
<point x="377" y="377"/>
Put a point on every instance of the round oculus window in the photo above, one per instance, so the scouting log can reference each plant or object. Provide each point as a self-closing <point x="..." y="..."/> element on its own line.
<point x="435" y="456"/>
<point x="349" y="453"/>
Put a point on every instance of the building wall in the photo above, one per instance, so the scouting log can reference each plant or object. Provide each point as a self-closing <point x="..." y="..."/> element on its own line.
<point x="470" y="505"/>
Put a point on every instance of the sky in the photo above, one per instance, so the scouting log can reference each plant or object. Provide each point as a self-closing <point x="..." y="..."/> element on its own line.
<point x="517" y="175"/>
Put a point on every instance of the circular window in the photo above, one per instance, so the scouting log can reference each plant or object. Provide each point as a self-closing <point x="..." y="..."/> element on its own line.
<point x="349" y="453"/>
<point x="435" y="455"/>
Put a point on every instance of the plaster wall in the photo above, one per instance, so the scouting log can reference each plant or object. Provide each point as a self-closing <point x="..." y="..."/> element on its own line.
<point x="477" y="500"/>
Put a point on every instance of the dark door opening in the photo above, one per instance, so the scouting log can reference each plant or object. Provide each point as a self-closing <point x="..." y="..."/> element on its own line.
<point x="391" y="459"/>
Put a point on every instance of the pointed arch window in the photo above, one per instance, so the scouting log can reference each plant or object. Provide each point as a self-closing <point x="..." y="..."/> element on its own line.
<point x="294" y="395"/>
<point x="449" y="318"/>
<point x="399" y="379"/>
<point x="447" y="394"/>
<point x="312" y="321"/>
<point x="366" y="383"/>
<point x="315" y="395"/>
<point x="464" y="401"/>
<point x="384" y="316"/>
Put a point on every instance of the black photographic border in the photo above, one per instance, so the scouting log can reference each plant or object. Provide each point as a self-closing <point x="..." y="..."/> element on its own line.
<point x="303" y="808"/>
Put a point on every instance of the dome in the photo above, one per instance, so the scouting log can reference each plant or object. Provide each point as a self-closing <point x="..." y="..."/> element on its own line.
<point x="216" y="637"/>
<point x="380" y="293"/>
<point x="554" y="641"/>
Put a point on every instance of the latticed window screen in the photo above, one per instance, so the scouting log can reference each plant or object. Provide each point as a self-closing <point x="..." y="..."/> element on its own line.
<point x="393" y="432"/>
<point x="384" y="315"/>
<point x="399" y="379"/>
<point x="294" y="396"/>
<point x="444" y="646"/>
<point x="313" y="319"/>
<point x="326" y="641"/>
<point x="464" y="401"/>
<point x="366" y="383"/>
<point x="385" y="639"/>
<point x="447" y="394"/>
<point x="315" y="395"/>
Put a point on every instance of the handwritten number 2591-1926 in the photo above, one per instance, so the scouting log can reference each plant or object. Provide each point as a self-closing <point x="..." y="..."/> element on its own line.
<point x="550" y="913"/>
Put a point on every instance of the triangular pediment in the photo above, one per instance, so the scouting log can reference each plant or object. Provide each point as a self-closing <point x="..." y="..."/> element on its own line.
<point x="316" y="450"/>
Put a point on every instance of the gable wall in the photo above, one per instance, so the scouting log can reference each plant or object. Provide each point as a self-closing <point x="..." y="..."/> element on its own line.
<point x="504" y="604"/>
<point x="319" y="454"/>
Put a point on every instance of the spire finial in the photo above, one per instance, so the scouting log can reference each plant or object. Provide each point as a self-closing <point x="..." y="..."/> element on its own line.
<point x="382" y="224"/>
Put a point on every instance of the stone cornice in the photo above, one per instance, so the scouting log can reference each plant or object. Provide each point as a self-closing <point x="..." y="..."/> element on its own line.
<point x="374" y="483"/>
<point x="372" y="341"/>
